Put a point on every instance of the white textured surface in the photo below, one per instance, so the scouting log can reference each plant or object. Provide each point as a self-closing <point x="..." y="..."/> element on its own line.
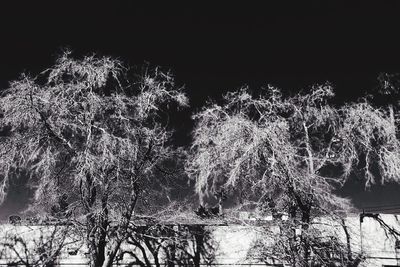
<point x="234" y="241"/>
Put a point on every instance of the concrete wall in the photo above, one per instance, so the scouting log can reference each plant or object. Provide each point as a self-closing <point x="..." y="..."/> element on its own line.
<point x="235" y="241"/>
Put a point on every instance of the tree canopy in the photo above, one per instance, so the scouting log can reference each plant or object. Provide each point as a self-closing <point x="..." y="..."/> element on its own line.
<point x="274" y="147"/>
<point x="84" y="129"/>
<point x="289" y="154"/>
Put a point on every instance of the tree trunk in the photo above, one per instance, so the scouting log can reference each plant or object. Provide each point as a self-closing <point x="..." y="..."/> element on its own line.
<point x="391" y="114"/>
<point x="152" y="247"/>
<point x="96" y="250"/>
<point x="108" y="261"/>
<point x="309" y="150"/>
<point x="305" y="219"/>
<point x="95" y="261"/>
<point x="88" y="192"/>
<point x="199" y="239"/>
<point x="346" y="231"/>
<point x="306" y="207"/>
<point x="144" y="255"/>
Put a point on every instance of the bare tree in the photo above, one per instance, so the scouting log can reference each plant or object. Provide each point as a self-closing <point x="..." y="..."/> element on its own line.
<point x="280" y="153"/>
<point x="82" y="128"/>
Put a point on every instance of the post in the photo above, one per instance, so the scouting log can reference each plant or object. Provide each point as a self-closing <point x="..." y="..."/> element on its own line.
<point x="361" y="233"/>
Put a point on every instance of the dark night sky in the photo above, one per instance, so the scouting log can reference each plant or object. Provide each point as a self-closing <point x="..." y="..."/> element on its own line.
<point x="215" y="48"/>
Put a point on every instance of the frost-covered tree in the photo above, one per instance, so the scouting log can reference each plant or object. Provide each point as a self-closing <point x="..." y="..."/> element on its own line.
<point x="370" y="134"/>
<point x="84" y="129"/>
<point x="283" y="154"/>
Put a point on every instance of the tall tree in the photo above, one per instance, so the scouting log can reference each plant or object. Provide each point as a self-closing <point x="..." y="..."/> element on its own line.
<point x="84" y="129"/>
<point x="280" y="153"/>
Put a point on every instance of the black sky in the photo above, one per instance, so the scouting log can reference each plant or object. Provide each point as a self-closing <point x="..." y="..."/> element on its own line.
<point x="212" y="48"/>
